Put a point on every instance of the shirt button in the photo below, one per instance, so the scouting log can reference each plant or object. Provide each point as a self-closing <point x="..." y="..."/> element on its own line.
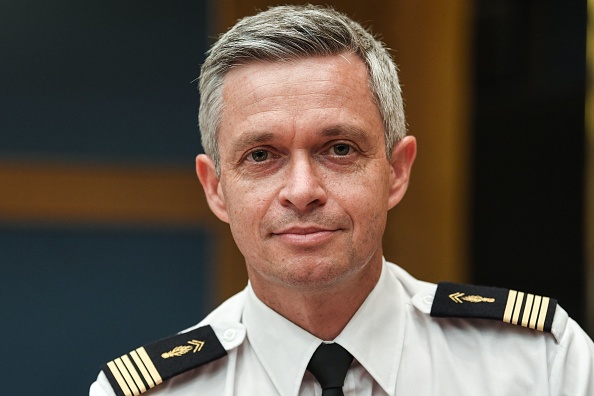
<point x="229" y="334"/>
<point x="428" y="300"/>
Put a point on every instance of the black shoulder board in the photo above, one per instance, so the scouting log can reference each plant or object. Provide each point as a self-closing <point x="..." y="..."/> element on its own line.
<point x="146" y="367"/>
<point x="481" y="302"/>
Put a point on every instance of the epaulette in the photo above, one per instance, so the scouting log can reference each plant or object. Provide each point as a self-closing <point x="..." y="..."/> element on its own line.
<point x="146" y="367"/>
<point x="481" y="302"/>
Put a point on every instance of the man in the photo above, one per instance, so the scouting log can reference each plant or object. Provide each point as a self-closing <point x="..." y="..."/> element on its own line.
<point x="303" y="127"/>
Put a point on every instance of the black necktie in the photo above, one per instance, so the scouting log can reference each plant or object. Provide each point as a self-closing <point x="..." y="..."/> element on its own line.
<point x="329" y="364"/>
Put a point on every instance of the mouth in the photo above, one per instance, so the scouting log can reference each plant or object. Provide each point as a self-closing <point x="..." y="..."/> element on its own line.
<point x="304" y="236"/>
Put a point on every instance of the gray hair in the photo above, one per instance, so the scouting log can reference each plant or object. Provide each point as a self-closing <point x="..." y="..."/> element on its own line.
<point x="286" y="33"/>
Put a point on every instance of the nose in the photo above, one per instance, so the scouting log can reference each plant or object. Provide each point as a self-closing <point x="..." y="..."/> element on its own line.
<point x="303" y="188"/>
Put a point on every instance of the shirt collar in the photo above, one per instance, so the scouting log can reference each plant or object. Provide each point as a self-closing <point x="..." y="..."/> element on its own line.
<point x="283" y="348"/>
<point x="374" y="336"/>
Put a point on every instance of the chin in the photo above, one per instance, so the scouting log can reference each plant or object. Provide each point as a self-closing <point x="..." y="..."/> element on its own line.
<point x="314" y="275"/>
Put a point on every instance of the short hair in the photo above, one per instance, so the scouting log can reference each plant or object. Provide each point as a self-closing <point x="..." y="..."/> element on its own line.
<point x="287" y="33"/>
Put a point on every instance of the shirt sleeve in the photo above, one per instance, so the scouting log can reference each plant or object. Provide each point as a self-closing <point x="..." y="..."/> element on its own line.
<point x="572" y="370"/>
<point x="101" y="387"/>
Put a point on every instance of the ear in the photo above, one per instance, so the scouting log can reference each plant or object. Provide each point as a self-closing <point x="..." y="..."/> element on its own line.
<point x="403" y="156"/>
<point x="205" y="169"/>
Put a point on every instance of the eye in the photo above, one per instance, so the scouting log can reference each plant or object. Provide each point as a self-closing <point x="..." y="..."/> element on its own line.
<point x="341" y="149"/>
<point x="259" y="155"/>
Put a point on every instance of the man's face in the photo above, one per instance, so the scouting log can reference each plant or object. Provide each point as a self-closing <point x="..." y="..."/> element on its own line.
<point x="305" y="183"/>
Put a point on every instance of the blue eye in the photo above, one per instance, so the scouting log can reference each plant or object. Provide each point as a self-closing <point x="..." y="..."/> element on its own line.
<point x="341" y="149"/>
<point x="259" y="155"/>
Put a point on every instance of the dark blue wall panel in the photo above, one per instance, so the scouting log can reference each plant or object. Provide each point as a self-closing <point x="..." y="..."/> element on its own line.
<point x="73" y="298"/>
<point x="101" y="80"/>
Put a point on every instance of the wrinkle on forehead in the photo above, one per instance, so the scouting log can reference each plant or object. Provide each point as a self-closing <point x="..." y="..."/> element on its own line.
<point x="294" y="95"/>
<point x="326" y="80"/>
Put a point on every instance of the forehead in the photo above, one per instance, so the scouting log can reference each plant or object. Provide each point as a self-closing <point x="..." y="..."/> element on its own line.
<point x="301" y="94"/>
<point x="261" y="77"/>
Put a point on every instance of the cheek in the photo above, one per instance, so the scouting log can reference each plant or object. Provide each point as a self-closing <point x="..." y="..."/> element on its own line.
<point x="366" y="192"/>
<point x="246" y="206"/>
<point x="370" y="213"/>
<point x="367" y="204"/>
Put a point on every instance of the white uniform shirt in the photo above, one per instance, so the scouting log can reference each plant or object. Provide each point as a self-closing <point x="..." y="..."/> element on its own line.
<point x="398" y="349"/>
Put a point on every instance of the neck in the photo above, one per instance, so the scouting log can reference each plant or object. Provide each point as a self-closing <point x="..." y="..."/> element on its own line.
<point x="310" y="308"/>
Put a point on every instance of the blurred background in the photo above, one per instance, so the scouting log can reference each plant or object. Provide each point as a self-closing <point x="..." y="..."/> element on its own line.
<point x="106" y="242"/>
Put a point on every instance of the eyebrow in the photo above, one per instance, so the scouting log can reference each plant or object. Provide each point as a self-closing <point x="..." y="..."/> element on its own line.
<point x="347" y="131"/>
<point x="250" y="139"/>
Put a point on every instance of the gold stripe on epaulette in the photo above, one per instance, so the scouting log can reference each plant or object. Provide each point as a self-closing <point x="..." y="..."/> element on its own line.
<point x="517" y="308"/>
<point x="544" y="308"/>
<point x="134" y="374"/>
<point x="120" y="364"/>
<point x="145" y="374"/>
<point x="527" y="307"/>
<point x="149" y="365"/>
<point x="534" y="307"/>
<point x="535" y="312"/>
<point x="509" y="307"/>
<point x="120" y="380"/>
